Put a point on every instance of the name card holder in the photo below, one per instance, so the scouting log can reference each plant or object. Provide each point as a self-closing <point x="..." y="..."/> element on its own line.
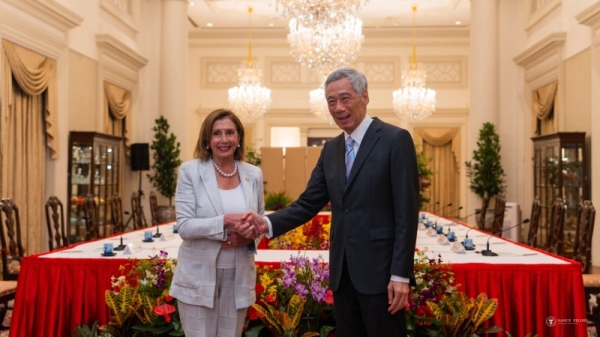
<point x="132" y="248"/>
<point x="457" y="247"/>
<point x="166" y="237"/>
<point x="443" y="240"/>
<point x="431" y="232"/>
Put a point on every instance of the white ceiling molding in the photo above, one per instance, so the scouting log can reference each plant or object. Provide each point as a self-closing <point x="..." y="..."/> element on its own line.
<point x="119" y="63"/>
<point x="49" y="12"/>
<point x="542" y="61"/>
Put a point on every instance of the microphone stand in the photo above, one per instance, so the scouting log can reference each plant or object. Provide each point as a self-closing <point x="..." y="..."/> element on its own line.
<point x="454" y="210"/>
<point x="467" y="233"/>
<point x="443" y="208"/>
<point x="121" y="246"/>
<point x="487" y="251"/>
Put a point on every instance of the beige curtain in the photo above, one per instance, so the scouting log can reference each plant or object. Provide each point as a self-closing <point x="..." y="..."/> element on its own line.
<point x="543" y="109"/>
<point x="118" y="113"/>
<point x="35" y="75"/>
<point x="23" y="160"/>
<point x="442" y="145"/>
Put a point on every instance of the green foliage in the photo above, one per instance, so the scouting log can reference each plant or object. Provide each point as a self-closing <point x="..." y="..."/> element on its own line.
<point x="252" y="156"/>
<point x="485" y="171"/>
<point x="86" y="331"/>
<point x="166" y="153"/>
<point x="425" y="174"/>
<point x="277" y="200"/>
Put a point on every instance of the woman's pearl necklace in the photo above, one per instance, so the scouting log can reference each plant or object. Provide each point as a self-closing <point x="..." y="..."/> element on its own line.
<point x="226" y="175"/>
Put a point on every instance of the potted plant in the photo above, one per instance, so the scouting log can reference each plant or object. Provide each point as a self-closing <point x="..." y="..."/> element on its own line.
<point x="165" y="152"/>
<point x="485" y="171"/>
<point x="425" y="174"/>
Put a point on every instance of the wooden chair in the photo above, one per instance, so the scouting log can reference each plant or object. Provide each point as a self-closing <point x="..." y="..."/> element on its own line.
<point x="499" y="208"/>
<point x="10" y="238"/>
<point x="485" y="202"/>
<point x="55" y="221"/>
<point x="582" y="251"/>
<point x="557" y="223"/>
<point x="90" y="211"/>
<point x="154" y="208"/>
<point x="534" y="223"/>
<point x="116" y="214"/>
<point x="139" y="221"/>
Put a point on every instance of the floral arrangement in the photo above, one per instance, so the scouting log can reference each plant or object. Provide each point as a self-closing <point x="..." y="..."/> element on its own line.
<point x="289" y="296"/>
<point x="312" y="235"/>
<point x="437" y="308"/>
<point x="425" y="174"/>
<point x="140" y="302"/>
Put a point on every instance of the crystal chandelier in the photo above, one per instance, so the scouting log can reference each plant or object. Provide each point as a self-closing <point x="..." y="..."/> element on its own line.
<point x="324" y="46"/>
<point x="318" y="103"/>
<point x="312" y="12"/>
<point x="249" y="99"/>
<point x="413" y="101"/>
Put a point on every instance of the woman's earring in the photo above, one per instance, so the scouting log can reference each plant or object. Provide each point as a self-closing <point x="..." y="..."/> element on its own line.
<point x="238" y="145"/>
<point x="207" y="147"/>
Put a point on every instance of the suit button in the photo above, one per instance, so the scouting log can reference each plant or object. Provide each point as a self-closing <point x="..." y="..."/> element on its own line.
<point x="346" y="211"/>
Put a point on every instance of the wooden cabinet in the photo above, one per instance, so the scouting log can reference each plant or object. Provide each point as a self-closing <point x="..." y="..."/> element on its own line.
<point x="95" y="167"/>
<point x="559" y="171"/>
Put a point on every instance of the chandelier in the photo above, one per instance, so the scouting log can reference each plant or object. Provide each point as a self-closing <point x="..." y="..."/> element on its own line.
<point x="318" y="103"/>
<point x="326" y="46"/>
<point x="413" y="101"/>
<point x="312" y="12"/>
<point x="249" y="99"/>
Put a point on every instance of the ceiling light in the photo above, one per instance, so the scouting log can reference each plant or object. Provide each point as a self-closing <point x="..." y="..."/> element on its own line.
<point x="249" y="99"/>
<point x="311" y="12"/>
<point x="413" y="101"/>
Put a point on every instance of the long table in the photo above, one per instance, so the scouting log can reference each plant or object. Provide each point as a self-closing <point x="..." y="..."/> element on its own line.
<point x="536" y="291"/>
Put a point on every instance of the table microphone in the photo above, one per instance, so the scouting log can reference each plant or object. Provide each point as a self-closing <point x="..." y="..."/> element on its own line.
<point x="120" y="246"/>
<point x="487" y="251"/>
<point x="433" y="209"/>
<point x="452" y="211"/>
<point x="472" y="246"/>
<point x="157" y="234"/>
<point x="443" y="208"/>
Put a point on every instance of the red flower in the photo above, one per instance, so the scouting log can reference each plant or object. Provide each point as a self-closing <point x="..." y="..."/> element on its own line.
<point x="259" y="289"/>
<point x="253" y="314"/>
<point x="270" y="298"/>
<point x="165" y="310"/>
<point x="329" y="297"/>
<point x="168" y="298"/>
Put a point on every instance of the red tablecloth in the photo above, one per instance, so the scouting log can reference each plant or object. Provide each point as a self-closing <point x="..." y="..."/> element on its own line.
<point x="56" y="294"/>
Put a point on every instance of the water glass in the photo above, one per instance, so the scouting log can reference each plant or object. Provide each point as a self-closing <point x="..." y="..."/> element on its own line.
<point x="108" y="249"/>
<point x="148" y="236"/>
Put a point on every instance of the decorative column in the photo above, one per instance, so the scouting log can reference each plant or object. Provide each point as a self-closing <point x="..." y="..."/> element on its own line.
<point x="483" y="76"/>
<point x="173" y="74"/>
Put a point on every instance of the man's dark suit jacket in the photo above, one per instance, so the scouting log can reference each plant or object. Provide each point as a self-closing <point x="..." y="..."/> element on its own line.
<point x="374" y="214"/>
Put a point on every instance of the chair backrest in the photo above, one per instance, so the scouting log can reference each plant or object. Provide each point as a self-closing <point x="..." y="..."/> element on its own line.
<point x="10" y="238"/>
<point x="499" y="208"/>
<point x="557" y="223"/>
<point x="534" y="222"/>
<point x="116" y="214"/>
<point x="55" y="221"/>
<point x="485" y="202"/>
<point x="136" y="210"/>
<point x="582" y="250"/>
<point x="154" y="208"/>
<point x="90" y="211"/>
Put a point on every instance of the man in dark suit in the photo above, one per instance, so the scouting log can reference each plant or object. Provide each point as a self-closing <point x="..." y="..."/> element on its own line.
<point x="372" y="183"/>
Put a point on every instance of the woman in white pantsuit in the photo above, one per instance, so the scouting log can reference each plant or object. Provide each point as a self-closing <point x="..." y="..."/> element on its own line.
<point x="215" y="277"/>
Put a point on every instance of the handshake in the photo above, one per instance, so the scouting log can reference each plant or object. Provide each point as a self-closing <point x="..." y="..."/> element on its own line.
<point x="250" y="224"/>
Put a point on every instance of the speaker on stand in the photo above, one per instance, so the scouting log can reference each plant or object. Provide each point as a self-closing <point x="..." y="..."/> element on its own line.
<point x="140" y="161"/>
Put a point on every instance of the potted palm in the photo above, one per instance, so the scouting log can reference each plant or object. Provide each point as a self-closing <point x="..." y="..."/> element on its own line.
<point x="165" y="153"/>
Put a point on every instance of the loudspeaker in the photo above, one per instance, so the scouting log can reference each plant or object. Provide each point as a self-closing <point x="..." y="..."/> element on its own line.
<point x="140" y="157"/>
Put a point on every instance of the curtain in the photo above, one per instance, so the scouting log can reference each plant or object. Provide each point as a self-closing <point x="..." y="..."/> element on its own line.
<point x="543" y="109"/>
<point x="35" y="75"/>
<point x="29" y="121"/>
<point x="442" y="145"/>
<point x="118" y="113"/>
